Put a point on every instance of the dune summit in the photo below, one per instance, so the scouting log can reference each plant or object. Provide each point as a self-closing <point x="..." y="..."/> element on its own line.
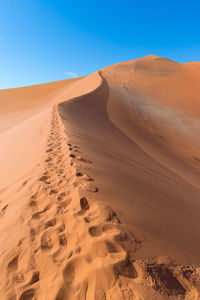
<point x="99" y="195"/>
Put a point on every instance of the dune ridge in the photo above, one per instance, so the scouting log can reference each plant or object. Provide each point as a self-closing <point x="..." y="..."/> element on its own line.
<point x="81" y="213"/>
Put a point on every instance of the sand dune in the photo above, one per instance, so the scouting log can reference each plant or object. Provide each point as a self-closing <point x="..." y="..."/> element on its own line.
<point x="100" y="185"/>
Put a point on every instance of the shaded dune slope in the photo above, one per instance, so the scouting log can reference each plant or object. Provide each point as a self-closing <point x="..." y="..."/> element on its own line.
<point x="104" y="208"/>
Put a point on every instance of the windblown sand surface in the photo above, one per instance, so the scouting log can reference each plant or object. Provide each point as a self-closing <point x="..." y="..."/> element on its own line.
<point x="99" y="195"/>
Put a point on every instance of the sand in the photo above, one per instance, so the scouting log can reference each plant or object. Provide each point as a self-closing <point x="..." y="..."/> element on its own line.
<point x="99" y="195"/>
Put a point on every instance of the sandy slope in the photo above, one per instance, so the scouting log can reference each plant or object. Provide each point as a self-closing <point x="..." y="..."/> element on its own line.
<point x="100" y="185"/>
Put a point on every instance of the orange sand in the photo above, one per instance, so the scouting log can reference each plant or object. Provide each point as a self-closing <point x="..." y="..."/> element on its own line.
<point x="100" y="185"/>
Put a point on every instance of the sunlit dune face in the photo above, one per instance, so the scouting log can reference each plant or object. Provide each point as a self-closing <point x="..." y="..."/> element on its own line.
<point x="163" y="80"/>
<point x="164" y="96"/>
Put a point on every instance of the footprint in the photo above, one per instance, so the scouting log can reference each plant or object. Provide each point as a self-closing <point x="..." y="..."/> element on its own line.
<point x="79" y="174"/>
<point x="13" y="264"/>
<point x="49" y="150"/>
<point x="43" y="178"/>
<point x="58" y="209"/>
<point x="20" y="242"/>
<point x="50" y="144"/>
<point x="3" y="210"/>
<point x="62" y="239"/>
<point x="53" y="192"/>
<point x="46" y="242"/>
<point x="27" y="295"/>
<point x="34" y="196"/>
<point x="61" y="196"/>
<point x="51" y="223"/>
<point x="69" y="272"/>
<point x="87" y="220"/>
<point x="95" y="231"/>
<point x="32" y="203"/>
<point x="84" y="204"/>
<point x="85" y="160"/>
<point x="61" y="228"/>
<point x="48" y="159"/>
<point x="36" y="215"/>
<point x="77" y="250"/>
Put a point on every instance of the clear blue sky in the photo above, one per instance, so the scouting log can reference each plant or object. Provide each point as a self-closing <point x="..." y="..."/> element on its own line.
<point x="47" y="40"/>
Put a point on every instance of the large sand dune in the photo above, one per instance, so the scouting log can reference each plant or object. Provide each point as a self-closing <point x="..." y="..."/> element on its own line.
<point x="99" y="195"/>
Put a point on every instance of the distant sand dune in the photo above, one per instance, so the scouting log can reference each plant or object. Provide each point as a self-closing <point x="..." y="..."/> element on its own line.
<point x="99" y="194"/>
